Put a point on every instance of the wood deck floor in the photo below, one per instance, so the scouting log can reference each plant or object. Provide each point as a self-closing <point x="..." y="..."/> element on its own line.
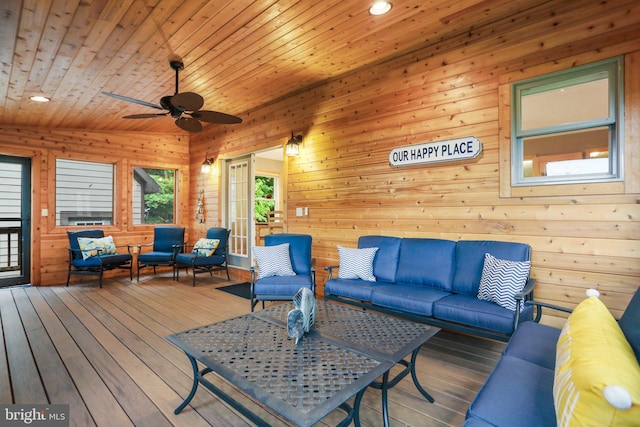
<point x="103" y="352"/>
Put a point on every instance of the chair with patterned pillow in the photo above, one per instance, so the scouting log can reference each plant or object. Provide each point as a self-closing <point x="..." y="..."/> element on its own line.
<point x="208" y="254"/>
<point x="90" y="252"/>
<point x="168" y="240"/>
<point x="284" y="265"/>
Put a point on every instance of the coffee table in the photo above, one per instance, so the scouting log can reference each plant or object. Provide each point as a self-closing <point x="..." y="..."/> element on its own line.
<point x="347" y="350"/>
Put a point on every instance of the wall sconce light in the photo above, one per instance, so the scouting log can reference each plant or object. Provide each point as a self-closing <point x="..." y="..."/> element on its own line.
<point x="293" y="145"/>
<point x="207" y="165"/>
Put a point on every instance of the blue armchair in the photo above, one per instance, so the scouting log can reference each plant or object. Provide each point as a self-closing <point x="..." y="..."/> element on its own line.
<point x="93" y="254"/>
<point x="206" y="256"/>
<point x="282" y="270"/>
<point x="168" y="241"/>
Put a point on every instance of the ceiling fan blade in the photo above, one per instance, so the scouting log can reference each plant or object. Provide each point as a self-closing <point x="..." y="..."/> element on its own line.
<point x="216" y="117"/>
<point x="189" y="124"/>
<point x="144" y="116"/>
<point x="135" y="101"/>
<point x="187" y="101"/>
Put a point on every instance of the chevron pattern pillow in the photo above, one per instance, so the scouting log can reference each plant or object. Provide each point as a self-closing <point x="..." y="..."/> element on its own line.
<point x="501" y="280"/>
<point x="356" y="263"/>
<point x="273" y="260"/>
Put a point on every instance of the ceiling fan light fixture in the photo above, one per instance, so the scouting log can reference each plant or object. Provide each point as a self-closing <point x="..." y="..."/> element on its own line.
<point x="293" y="145"/>
<point x="380" y="7"/>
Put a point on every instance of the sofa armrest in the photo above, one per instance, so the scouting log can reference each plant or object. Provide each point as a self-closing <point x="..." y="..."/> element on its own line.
<point x="330" y="269"/>
<point x="540" y="305"/>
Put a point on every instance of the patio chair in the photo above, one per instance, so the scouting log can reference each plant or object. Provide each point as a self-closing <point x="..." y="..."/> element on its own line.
<point x="92" y="253"/>
<point x="168" y="241"/>
<point x="284" y="266"/>
<point x="208" y="255"/>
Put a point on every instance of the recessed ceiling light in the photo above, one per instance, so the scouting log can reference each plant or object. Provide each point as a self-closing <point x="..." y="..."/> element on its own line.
<point x="380" y="7"/>
<point x="38" y="98"/>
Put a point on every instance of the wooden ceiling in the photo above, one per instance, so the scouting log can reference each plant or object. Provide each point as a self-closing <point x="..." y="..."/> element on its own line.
<point x="238" y="54"/>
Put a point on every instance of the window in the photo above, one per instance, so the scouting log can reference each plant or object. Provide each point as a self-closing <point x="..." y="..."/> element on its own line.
<point x="266" y="196"/>
<point x="567" y="126"/>
<point x="153" y="200"/>
<point x="84" y="192"/>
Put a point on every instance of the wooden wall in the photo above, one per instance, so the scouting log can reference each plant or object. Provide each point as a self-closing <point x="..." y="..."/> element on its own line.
<point x="582" y="236"/>
<point x="126" y="150"/>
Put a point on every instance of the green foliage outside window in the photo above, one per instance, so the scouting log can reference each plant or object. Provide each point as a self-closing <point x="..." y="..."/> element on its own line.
<point x="264" y="194"/>
<point x="159" y="206"/>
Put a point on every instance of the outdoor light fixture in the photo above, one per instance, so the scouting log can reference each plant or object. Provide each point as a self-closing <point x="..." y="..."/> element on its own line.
<point x="380" y="7"/>
<point x="293" y="145"/>
<point x="207" y="165"/>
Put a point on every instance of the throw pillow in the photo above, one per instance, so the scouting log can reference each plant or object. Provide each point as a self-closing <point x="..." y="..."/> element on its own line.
<point x="93" y="246"/>
<point x="597" y="376"/>
<point x="205" y="247"/>
<point x="356" y="263"/>
<point x="501" y="280"/>
<point x="273" y="260"/>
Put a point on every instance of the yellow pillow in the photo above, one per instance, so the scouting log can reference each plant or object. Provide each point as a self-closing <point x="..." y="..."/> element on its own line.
<point x="205" y="247"/>
<point x="597" y="376"/>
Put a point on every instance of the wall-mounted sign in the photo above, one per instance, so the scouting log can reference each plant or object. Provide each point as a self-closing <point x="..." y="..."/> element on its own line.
<point x="432" y="152"/>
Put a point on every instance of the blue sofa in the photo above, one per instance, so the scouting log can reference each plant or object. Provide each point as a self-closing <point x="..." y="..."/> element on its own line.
<point x="519" y="390"/>
<point x="435" y="281"/>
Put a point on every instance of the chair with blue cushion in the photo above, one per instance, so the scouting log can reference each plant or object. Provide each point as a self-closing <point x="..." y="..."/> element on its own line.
<point x="168" y="240"/>
<point x="208" y="254"/>
<point x="284" y="266"/>
<point x="93" y="254"/>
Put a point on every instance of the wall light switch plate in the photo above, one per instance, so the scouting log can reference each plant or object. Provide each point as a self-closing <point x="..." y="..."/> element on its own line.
<point x="45" y="212"/>
<point x="298" y="211"/>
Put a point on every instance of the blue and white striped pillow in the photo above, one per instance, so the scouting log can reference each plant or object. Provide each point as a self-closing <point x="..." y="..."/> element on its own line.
<point x="273" y="260"/>
<point x="501" y="280"/>
<point x="356" y="263"/>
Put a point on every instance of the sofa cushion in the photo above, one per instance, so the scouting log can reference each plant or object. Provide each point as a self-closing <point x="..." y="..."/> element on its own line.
<point x="385" y="262"/>
<point x="470" y="260"/>
<point x="351" y="288"/>
<point x="501" y="280"/>
<point x="532" y="404"/>
<point x="597" y="376"/>
<point x="356" y="263"/>
<point x="407" y="298"/>
<point x="273" y="260"/>
<point x="535" y="343"/>
<point x="469" y="310"/>
<point x="630" y="323"/>
<point x="274" y="285"/>
<point x="426" y="262"/>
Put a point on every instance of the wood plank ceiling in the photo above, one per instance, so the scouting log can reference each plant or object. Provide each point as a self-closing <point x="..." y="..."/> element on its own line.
<point x="238" y="54"/>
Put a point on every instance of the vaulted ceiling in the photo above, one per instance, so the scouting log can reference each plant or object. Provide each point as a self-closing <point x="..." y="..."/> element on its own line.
<point x="238" y="54"/>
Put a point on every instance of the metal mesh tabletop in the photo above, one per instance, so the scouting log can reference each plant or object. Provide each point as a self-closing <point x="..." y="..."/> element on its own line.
<point x="344" y="352"/>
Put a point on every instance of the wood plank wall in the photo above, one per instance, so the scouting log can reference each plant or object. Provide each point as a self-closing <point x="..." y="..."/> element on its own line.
<point x="582" y="236"/>
<point x="126" y="150"/>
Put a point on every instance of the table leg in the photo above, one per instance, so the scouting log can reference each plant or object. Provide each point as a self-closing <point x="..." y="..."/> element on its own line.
<point x="416" y="382"/>
<point x="385" y="404"/>
<point x="194" y="387"/>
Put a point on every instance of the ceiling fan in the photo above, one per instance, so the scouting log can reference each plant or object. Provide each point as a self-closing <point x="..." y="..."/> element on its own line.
<point x="184" y="107"/>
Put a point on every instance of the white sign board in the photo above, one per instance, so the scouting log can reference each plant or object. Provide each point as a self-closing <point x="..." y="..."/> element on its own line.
<point x="432" y="152"/>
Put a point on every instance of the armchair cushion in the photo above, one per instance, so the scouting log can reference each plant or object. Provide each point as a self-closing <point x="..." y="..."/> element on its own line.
<point x="91" y="247"/>
<point x="356" y="263"/>
<point x="205" y="247"/>
<point x="501" y="280"/>
<point x="273" y="260"/>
